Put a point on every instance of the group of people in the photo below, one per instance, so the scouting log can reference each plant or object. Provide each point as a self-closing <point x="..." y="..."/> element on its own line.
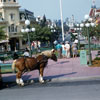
<point x="36" y="45"/>
<point x="65" y="50"/>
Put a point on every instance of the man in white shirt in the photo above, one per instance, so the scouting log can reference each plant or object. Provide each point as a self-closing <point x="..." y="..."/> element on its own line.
<point x="26" y="53"/>
<point x="67" y="45"/>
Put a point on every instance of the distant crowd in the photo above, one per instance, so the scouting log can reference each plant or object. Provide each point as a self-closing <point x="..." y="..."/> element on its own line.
<point x="65" y="50"/>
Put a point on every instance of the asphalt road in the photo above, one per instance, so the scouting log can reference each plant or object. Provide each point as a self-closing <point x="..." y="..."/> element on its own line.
<point x="80" y="90"/>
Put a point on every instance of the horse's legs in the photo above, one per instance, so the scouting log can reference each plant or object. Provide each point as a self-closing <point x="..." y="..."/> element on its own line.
<point x="19" y="79"/>
<point x="41" y="75"/>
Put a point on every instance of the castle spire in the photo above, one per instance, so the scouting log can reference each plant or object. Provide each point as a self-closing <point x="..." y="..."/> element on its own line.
<point x="93" y="4"/>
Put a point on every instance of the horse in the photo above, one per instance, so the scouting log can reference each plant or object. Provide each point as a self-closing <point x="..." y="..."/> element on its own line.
<point x="25" y="64"/>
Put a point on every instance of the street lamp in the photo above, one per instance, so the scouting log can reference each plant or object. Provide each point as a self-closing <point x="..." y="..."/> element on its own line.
<point x="88" y="24"/>
<point x="53" y="38"/>
<point x="81" y="25"/>
<point x="78" y="30"/>
<point x="27" y="30"/>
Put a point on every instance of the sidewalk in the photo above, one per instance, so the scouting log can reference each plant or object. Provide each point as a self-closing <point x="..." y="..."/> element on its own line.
<point x="64" y="69"/>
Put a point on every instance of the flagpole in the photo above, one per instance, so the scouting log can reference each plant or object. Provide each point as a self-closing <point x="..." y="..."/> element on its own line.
<point x="61" y="20"/>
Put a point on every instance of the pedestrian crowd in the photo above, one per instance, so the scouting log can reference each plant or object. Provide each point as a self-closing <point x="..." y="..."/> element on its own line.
<point x="36" y="45"/>
<point x="66" y="50"/>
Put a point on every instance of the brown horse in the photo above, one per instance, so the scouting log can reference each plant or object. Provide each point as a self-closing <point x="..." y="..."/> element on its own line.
<point x="31" y="63"/>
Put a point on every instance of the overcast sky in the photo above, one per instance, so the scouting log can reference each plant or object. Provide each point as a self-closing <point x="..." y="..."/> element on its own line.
<point x="51" y="8"/>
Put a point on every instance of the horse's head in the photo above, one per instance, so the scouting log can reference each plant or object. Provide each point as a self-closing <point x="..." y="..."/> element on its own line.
<point x="53" y="57"/>
<point x="50" y="54"/>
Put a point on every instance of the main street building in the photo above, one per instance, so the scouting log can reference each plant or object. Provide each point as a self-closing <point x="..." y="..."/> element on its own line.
<point x="13" y="19"/>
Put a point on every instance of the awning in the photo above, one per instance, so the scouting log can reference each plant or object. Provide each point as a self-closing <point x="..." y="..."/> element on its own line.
<point x="4" y="41"/>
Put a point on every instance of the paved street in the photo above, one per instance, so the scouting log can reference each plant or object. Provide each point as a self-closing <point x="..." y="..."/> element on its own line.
<point x="81" y="90"/>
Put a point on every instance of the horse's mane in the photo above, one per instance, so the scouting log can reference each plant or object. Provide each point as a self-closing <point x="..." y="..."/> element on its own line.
<point x="47" y="53"/>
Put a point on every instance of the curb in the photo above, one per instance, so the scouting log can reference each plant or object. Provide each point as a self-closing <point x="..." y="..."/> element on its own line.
<point x="66" y="79"/>
<point x="76" y="79"/>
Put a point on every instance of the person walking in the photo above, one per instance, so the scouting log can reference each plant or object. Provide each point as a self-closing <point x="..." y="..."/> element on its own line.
<point x="54" y="44"/>
<point x="58" y="47"/>
<point x="38" y="47"/>
<point x="67" y="45"/>
<point x="63" y="50"/>
<point x="32" y="46"/>
<point x="74" y="50"/>
<point x="35" y="46"/>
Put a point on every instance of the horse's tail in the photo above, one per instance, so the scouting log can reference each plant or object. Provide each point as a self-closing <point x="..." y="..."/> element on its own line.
<point x="13" y="65"/>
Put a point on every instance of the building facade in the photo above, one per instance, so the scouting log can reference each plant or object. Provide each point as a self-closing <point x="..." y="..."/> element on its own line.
<point x="13" y="19"/>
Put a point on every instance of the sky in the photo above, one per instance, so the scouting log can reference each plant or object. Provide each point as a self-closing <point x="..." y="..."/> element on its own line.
<point x="51" y="8"/>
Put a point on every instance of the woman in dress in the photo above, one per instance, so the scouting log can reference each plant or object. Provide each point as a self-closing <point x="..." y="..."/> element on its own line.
<point x="74" y="50"/>
<point x="63" y="50"/>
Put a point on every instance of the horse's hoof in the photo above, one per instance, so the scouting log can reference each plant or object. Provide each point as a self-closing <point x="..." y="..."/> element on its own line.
<point x="42" y="82"/>
<point x="32" y="81"/>
<point x="22" y="84"/>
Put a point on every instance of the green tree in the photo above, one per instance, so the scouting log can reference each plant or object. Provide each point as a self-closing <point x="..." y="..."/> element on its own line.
<point x="41" y="34"/>
<point x="55" y="33"/>
<point x="2" y="33"/>
<point x="97" y="30"/>
<point x="93" y="31"/>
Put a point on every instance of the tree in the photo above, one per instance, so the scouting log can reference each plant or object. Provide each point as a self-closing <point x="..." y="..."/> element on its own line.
<point x="55" y="33"/>
<point x="93" y="31"/>
<point x="2" y="33"/>
<point x="41" y="34"/>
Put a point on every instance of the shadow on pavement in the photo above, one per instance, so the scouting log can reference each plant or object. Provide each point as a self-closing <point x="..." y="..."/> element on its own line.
<point x="28" y="81"/>
<point x="62" y="62"/>
<point x="49" y="78"/>
<point x="59" y="76"/>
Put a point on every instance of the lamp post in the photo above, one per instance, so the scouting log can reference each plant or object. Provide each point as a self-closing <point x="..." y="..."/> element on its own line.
<point x="88" y="24"/>
<point x="78" y="30"/>
<point x="53" y="38"/>
<point x="28" y="30"/>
